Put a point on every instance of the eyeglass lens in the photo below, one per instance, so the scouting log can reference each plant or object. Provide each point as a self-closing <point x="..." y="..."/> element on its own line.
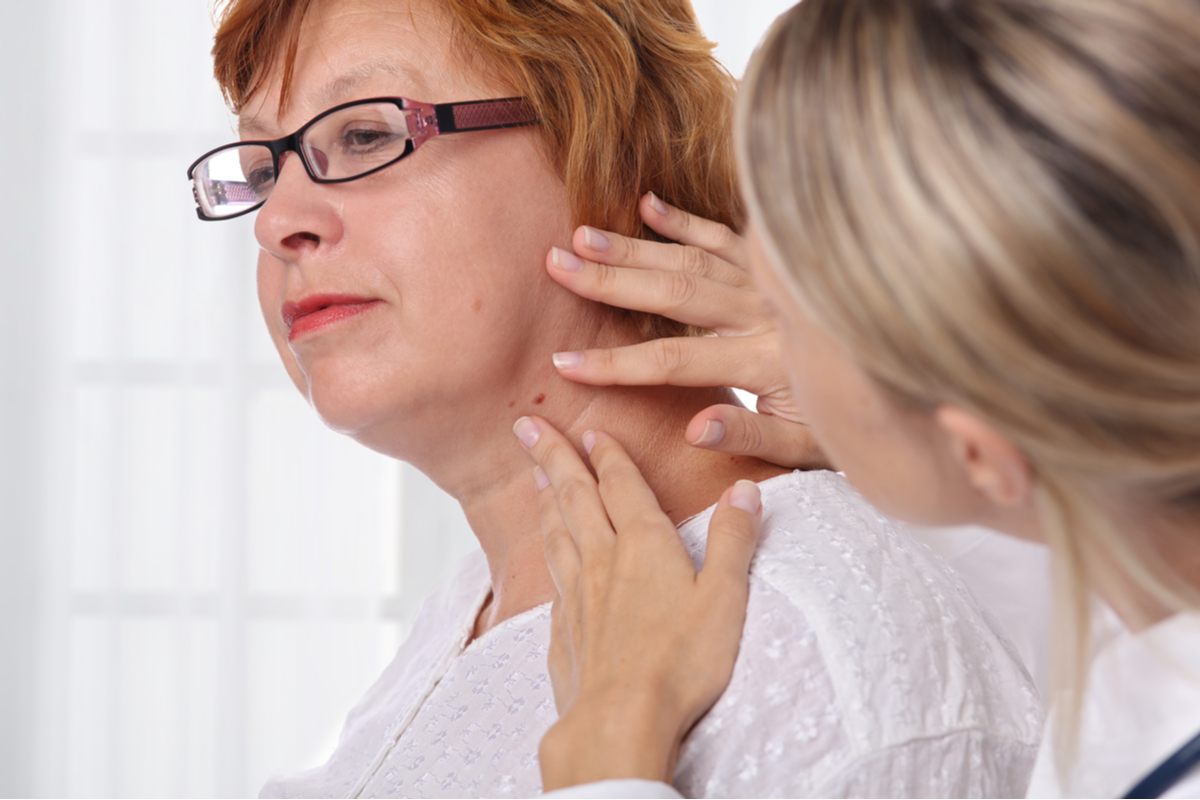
<point x="344" y="144"/>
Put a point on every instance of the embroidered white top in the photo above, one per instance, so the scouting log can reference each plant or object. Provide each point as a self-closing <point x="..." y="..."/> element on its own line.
<point x="866" y="669"/>
<point x="1142" y="704"/>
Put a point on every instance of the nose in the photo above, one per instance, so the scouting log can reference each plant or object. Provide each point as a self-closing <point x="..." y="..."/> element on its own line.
<point x="299" y="216"/>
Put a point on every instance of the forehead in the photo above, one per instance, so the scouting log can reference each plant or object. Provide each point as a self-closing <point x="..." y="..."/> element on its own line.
<point x="352" y="49"/>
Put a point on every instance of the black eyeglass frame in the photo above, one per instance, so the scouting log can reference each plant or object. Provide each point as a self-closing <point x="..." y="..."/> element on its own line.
<point x="426" y="121"/>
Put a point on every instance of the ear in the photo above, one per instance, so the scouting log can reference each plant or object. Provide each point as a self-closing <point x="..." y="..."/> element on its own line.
<point x="990" y="462"/>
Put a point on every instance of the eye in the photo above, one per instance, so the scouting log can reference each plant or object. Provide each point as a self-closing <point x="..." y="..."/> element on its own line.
<point x="366" y="138"/>
<point x="363" y="140"/>
<point x="260" y="178"/>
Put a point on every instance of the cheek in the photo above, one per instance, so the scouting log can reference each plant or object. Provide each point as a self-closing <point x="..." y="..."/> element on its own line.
<point x="825" y="398"/>
<point x="876" y="446"/>
<point x="269" y="277"/>
<point x="270" y="281"/>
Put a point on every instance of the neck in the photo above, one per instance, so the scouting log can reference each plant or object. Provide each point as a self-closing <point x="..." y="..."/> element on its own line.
<point x="1175" y="540"/>
<point x="492" y="478"/>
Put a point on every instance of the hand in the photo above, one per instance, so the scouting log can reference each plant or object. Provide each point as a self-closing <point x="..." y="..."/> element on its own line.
<point x="642" y="644"/>
<point x="701" y="281"/>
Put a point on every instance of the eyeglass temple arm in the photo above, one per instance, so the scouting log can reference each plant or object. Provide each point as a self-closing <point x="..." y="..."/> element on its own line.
<point x="481" y="115"/>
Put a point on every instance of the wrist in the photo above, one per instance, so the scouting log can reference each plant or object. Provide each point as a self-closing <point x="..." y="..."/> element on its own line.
<point x="609" y="741"/>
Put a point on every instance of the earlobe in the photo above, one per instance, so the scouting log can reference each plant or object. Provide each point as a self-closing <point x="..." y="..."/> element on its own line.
<point x="990" y="462"/>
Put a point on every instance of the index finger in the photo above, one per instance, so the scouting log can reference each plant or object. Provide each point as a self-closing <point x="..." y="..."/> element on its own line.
<point x="742" y="362"/>
<point x="680" y="226"/>
<point x="631" y="503"/>
<point x="678" y="294"/>
<point x="578" y="496"/>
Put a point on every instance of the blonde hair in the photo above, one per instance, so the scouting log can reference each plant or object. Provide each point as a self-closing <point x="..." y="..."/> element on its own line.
<point x="996" y="204"/>
<point x="628" y="93"/>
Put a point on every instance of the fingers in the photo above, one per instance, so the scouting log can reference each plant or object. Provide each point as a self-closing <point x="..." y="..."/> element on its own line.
<point x="680" y="226"/>
<point x="744" y="362"/>
<point x="739" y="431"/>
<point x="732" y="538"/>
<point x="562" y="555"/>
<point x="574" y="488"/>
<point x="613" y="249"/>
<point x="631" y="504"/>
<point x="691" y="294"/>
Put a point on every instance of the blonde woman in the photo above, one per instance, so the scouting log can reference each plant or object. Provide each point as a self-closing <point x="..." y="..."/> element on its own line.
<point x="976" y="225"/>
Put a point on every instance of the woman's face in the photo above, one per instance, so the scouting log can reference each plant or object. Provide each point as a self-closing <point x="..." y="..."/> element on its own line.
<point x="898" y="459"/>
<point x="435" y="262"/>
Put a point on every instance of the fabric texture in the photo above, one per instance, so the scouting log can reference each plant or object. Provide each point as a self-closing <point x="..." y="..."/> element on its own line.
<point x="1011" y="578"/>
<point x="652" y="790"/>
<point x="866" y="668"/>
<point x="1142" y="703"/>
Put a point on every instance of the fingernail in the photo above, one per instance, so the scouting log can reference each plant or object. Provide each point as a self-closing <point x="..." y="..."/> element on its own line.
<point x="714" y="431"/>
<point x="567" y="262"/>
<point x="595" y="240"/>
<point x="527" y="431"/>
<point x="746" y="497"/>
<point x="589" y="441"/>
<point x="657" y="204"/>
<point x="569" y="360"/>
<point x="540" y="478"/>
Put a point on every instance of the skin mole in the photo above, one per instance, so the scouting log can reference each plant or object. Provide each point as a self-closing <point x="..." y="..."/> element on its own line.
<point x="537" y="401"/>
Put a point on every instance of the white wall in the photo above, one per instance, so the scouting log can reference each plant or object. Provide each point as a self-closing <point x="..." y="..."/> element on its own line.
<point x="197" y="579"/>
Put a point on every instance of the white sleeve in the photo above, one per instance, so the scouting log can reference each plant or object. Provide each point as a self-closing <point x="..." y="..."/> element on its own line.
<point x="629" y="787"/>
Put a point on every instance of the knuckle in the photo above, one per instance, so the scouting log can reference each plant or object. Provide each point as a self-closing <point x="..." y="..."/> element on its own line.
<point x="684" y="221"/>
<point x="631" y="250"/>
<point x="724" y="239"/>
<point x="682" y="288"/>
<point x="605" y="359"/>
<point x="642" y="521"/>
<point x="604" y="279"/>
<point x="554" y="453"/>
<point x="693" y="260"/>
<point x="750" y="438"/>
<point x="670" y="356"/>
<point x="574" y="492"/>
<point x="736" y="529"/>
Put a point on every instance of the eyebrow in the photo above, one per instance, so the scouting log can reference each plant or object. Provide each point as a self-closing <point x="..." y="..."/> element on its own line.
<point x="337" y="90"/>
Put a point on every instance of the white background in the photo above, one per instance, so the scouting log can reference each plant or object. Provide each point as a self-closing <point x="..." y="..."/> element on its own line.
<point x="198" y="580"/>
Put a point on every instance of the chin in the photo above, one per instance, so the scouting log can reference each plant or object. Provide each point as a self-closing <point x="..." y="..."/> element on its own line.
<point x="393" y="417"/>
<point x="348" y="403"/>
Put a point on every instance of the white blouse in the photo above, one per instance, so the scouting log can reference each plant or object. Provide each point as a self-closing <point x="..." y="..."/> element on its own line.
<point x="1142" y="704"/>
<point x="866" y="669"/>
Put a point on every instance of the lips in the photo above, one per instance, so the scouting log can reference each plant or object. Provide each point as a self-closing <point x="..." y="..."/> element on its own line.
<point x="322" y="310"/>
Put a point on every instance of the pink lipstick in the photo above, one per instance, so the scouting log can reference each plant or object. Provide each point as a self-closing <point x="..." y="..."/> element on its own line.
<point x="322" y="310"/>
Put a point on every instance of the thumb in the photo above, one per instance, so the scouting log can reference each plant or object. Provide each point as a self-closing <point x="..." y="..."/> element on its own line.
<point x="742" y="432"/>
<point x="733" y="535"/>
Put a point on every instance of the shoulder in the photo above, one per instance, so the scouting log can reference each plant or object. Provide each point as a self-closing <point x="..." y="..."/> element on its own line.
<point x="895" y="624"/>
<point x="859" y="644"/>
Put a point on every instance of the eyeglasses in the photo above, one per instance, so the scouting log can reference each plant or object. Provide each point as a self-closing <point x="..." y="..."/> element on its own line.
<point x="345" y="143"/>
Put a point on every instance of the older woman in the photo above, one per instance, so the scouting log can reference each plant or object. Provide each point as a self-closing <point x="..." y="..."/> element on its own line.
<point x="412" y="162"/>
<point x="975" y="222"/>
